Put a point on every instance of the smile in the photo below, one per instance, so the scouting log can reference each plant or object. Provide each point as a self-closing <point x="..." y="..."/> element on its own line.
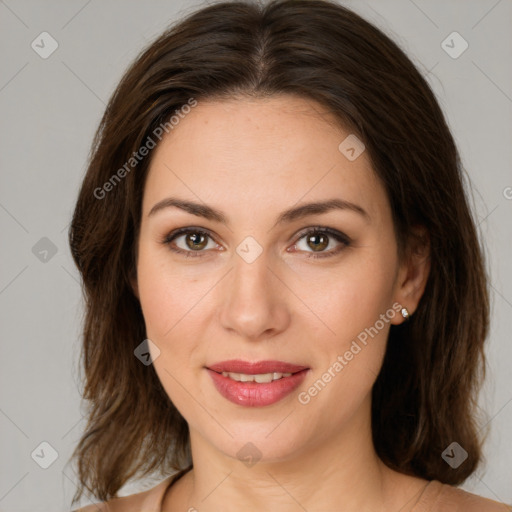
<point x="256" y="390"/>
<point x="260" y="377"/>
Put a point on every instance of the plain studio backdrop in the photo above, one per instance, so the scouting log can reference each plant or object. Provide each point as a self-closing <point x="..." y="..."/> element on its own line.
<point x="52" y="96"/>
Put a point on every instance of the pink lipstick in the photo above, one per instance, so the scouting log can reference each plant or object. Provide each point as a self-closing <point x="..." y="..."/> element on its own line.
<point x="256" y="384"/>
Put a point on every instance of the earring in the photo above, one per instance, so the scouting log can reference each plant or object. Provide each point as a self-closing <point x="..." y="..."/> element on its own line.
<point x="405" y="314"/>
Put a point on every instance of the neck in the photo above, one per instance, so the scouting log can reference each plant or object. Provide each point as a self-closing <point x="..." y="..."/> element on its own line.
<point x="341" y="469"/>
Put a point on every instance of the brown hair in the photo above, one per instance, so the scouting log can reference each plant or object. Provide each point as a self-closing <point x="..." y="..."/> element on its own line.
<point x="425" y="396"/>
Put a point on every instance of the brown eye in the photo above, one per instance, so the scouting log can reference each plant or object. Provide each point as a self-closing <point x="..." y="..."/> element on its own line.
<point x="189" y="241"/>
<point x="196" y="241"/>
<point x="317" y="240"/>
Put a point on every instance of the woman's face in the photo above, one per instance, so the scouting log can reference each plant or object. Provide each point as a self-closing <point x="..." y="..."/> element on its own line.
<point x="256" y="285"/>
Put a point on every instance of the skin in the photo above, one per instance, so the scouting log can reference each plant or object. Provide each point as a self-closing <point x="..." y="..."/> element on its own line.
<point x="253" y="159"/>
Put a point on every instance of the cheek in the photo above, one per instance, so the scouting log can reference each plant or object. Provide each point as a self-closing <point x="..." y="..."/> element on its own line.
<point x="159" y="306"/>
<point x="355" y="303"/>
<point x="167" y="309"/>
<point x="175" y="303"/>
<point x="166" y="294"/>
<point x="350" y="298"/>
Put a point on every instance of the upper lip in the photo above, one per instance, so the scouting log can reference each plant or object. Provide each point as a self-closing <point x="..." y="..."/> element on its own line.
<point x="257" y="367"/>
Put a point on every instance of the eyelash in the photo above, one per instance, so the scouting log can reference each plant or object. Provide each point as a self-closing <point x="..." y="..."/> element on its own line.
<point x="337" y="235"/>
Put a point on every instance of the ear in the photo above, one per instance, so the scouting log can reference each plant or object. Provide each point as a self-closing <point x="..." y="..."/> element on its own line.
<point x="413" y="273"/>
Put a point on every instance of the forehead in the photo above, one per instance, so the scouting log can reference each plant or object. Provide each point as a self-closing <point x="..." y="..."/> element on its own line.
<point x="260" y="152"/>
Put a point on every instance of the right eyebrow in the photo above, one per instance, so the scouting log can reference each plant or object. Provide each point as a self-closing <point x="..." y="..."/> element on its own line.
<point x="290" y="215"/>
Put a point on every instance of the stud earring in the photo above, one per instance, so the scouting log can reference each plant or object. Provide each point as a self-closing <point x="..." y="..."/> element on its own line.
<point x="405" y="314"/>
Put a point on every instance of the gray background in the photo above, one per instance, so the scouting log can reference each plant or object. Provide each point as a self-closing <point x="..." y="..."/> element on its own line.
<point x="49" y="111"/>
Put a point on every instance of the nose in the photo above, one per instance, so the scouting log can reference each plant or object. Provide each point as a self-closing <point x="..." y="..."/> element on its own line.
<point x="255" y="304"/>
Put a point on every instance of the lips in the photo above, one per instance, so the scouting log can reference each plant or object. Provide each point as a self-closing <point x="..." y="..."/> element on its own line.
<point x="253" y="394"/>
<point x="254" y="368"/>
<point x="256" y="394"/>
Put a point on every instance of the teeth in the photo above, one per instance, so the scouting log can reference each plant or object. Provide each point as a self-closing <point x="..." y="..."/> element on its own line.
<point x="260" y="377"/>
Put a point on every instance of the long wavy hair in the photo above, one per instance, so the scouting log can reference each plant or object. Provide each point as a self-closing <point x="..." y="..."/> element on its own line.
<point x="425" y="396"/>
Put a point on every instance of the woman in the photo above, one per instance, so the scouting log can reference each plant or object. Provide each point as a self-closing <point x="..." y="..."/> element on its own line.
<point x="286" y="296"/>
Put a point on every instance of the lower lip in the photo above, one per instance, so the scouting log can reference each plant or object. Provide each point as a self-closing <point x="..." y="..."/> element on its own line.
<point x="253" y="394"/>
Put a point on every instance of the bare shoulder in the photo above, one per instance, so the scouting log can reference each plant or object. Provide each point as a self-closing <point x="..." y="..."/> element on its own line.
<point x="454" y="498"/>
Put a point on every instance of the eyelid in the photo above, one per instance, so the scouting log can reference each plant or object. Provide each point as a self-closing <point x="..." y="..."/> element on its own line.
<point x="339" y="236"/>
<point x="170" y="237"/>
<point x="342" y="239"/>
<point x="323" y="229"/>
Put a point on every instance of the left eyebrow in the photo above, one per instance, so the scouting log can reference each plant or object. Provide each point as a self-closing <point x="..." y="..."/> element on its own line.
<point x="317" y="208"/>
<point x="290" y="215"/>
